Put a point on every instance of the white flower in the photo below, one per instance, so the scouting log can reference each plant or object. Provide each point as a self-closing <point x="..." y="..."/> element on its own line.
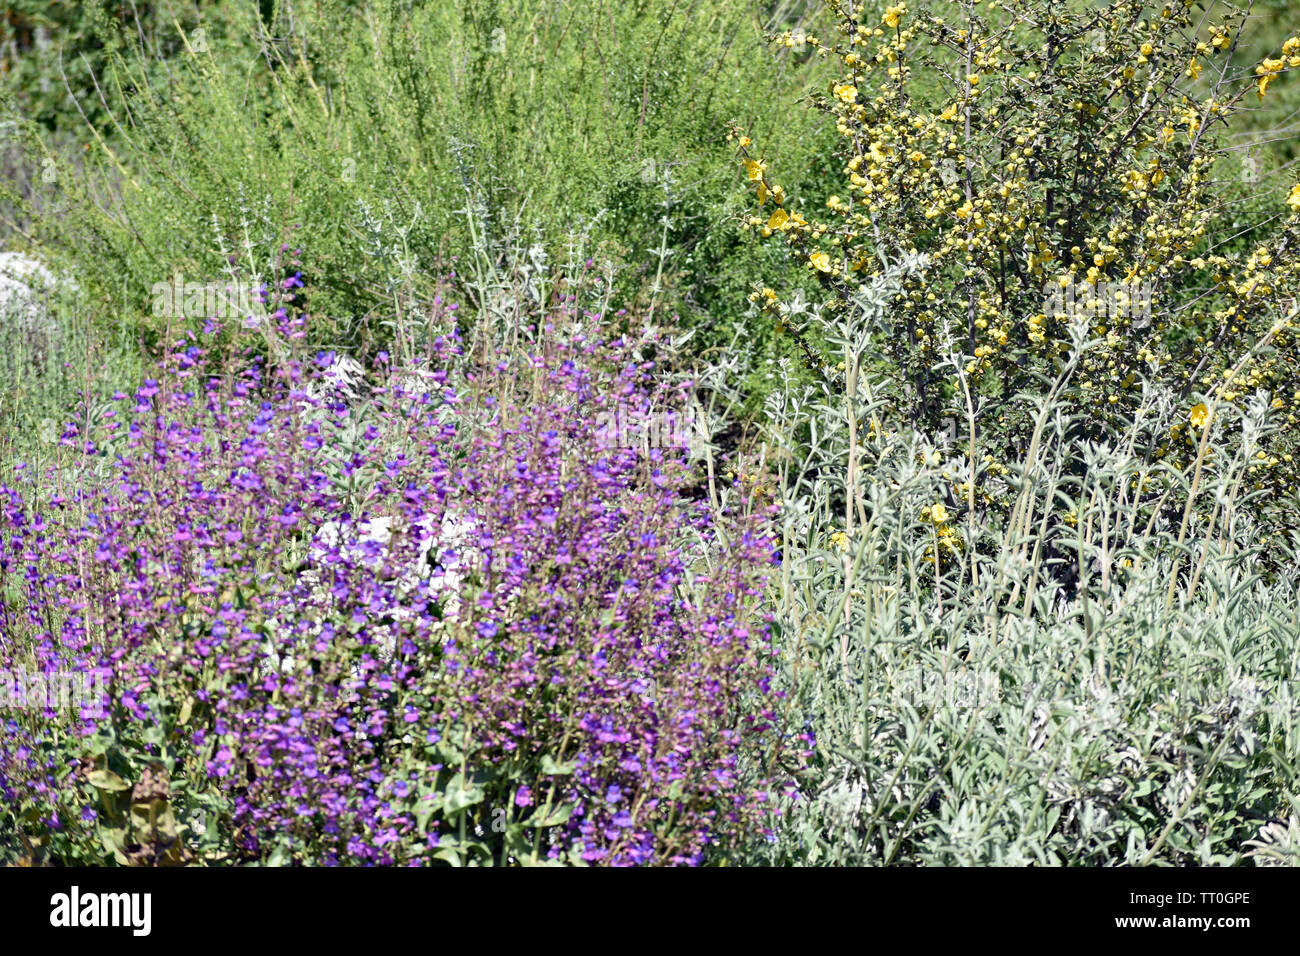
<point x="25" y="287"/>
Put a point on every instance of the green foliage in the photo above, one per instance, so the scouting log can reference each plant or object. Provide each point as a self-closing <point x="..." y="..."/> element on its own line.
<point x="393" y="145"/>
<point x="142" y="801"/>
<point x="53" y="52"/>
<point x="45" y="373"/>
<point x="1037" y="601"/>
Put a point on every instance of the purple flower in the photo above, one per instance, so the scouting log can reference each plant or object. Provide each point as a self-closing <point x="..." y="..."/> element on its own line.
<point x="284" y="551"/>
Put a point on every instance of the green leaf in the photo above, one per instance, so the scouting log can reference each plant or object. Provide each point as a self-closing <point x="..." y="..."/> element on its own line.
<point x="113" y="839"/>
<point x="553" y="769"/>
<point x="425" y="809"/>
<point x="107" y="780"/>
<point x="449" y="853"/>
<point x="458" y="796"/>
<point x="553" y="819"/>
<point x="279" y="856"/>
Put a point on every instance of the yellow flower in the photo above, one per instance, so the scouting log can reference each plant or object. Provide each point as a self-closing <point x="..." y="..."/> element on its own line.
<point x="820" y="261"/>
<point x="778" y="219"/>
<point x="935" y="514"/>
<point x="755" y="169"/>
<point x="846" y="92"/>
<point x="1266" y="71"/>
<point x="1200" y="416"/>
<point x="1294" y="199"/>
<point x="894" y="14"/>
<point x="840" y="540"/>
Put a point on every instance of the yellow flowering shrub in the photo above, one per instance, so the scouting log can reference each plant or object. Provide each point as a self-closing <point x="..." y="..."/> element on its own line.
<point x="1061" y="168"/>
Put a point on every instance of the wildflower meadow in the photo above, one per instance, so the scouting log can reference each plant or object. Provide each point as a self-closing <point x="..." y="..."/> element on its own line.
<point x="738" y="433"/>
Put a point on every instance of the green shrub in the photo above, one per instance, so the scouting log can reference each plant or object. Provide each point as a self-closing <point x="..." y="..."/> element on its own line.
<point x="398" y="143"/>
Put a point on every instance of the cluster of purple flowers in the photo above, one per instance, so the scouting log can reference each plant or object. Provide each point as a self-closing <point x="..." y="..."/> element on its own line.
<point x="596" y="675"/>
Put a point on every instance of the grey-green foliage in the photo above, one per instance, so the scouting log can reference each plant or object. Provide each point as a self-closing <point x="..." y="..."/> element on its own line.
<point x="1096" y="669"/>
<point x="969" y="737"/>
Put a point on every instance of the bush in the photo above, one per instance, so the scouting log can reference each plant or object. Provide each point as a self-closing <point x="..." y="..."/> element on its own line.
<point x="427" y="132"/>
<point x="1101" y="674"/>
<point x="588" y="679"/>
<point x="1068" y="167"/>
